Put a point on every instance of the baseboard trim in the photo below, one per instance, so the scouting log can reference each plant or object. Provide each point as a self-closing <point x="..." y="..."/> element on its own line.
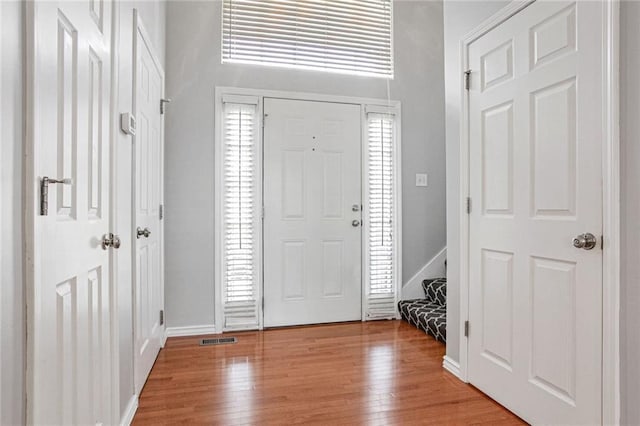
<point x="130" y="411"/>
<point x="164" y="337"/>
<point x="194" y="330"/>
<point x="451" y="366"/>
<point x="433" y="269"/>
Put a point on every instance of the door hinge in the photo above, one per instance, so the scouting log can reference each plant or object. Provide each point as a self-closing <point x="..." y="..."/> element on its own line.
<point x="466" y="329"/>
<point x="161" y="211"/>
<point x="262" y="213"/>
<point x="162" y="317"/>
<point x="468" y="205"/>
<point x="264" y="118"/>
<point x="601" y="242"/>
<point x="467" y="79"/>
<point x="162" y="105"/>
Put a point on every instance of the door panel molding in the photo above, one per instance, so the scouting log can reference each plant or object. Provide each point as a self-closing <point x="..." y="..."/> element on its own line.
<point x="611" y="198"/>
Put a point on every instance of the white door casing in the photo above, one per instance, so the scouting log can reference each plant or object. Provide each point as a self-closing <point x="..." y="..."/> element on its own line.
<point x="2" y="191"/>
<point x="535" y="182"/>
<point x="72" y="314"/>
<point x="148" y="300"/>
<point x="312" y="185"/>
<point x="244" y="310"/>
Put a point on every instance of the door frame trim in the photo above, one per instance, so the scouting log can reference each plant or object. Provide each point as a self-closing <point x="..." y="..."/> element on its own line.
<point x="611" y="199"/>
<point x="115" y="211"/>
<point x="138" y="27"/>
<point x="261" y="94"/>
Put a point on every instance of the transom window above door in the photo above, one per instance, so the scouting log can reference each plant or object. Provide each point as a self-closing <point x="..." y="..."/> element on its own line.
<point x="343" y="36"/>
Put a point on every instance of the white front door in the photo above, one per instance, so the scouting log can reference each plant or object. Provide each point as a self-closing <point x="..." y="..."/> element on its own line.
<point x="312" y="202"/>
<point x="536" y="135"/>
<point x="72" y="306"/>
<point x="147" y="197"/>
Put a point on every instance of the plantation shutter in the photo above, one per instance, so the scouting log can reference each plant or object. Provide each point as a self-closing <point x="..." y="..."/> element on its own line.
<point x="382" y="288"/>
<point x="331" y="35"/>
<point x="240" y="291"/>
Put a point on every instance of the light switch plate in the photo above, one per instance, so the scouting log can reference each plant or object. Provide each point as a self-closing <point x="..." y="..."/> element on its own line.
<point x="421" y="179"/>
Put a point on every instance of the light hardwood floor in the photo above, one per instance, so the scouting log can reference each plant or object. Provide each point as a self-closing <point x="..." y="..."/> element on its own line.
<point x="374" y="373"/>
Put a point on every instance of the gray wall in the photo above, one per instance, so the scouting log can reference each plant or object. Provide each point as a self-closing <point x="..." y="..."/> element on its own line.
<point x="630" y="197"/>
<point x="460" y="17"/>
<point x="194" y="70"/>
<point x="12" y="327"/>
<point x="153" y="18"/>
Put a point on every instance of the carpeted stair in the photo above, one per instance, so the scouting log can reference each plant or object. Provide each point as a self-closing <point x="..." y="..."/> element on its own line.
<point x="428" y="314"/>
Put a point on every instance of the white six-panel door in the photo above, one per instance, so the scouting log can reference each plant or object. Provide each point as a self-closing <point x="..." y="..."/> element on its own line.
<point x="72" y="310"/>
<point x="535" y="132"/>
<point x="147" y="197"/>
<point x="312" y="199"/>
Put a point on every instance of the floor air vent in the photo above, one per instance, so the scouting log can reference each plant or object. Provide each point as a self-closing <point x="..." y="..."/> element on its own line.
<point x="218" y="341"/>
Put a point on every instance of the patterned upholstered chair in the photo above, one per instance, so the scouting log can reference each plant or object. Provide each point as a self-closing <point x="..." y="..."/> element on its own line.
<point x="428" y="314"/>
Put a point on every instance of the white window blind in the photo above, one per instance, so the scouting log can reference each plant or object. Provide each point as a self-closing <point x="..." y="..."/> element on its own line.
<point x="348" y="36"/>
<point x="240" y="216"/>
<point x="381" y="289"/>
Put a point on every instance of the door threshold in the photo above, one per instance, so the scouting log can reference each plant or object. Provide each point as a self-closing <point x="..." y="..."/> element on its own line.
<point x="320" y="324"/>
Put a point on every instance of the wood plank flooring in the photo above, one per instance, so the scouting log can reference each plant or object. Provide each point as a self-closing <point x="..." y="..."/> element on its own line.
<point x="374" y="373"/>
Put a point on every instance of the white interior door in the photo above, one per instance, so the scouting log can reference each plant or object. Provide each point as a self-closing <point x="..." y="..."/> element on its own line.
<point x="536" y="132"/>
<point x="72" y="308"/>
<point x="312" y="199"/>
<point x="147" y="190"/>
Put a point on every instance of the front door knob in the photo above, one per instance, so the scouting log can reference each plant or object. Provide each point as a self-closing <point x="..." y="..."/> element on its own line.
<point x="585" y="241"/>
<point x="355" y="223"/>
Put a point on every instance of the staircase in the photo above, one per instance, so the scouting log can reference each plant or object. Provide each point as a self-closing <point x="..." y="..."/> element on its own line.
<point x="428" y="314"/>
